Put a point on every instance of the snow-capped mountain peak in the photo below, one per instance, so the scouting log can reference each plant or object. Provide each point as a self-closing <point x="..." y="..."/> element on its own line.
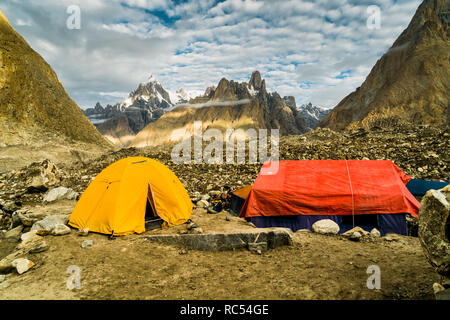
<point x="312" y="115"/>
<point x="182" y="96"/>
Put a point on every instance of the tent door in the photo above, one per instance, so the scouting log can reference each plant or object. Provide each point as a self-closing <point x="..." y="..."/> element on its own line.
<point x="152" y="220"/>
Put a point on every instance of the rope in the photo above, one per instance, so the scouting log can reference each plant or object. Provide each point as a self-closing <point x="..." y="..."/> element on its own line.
<point x="351" y="189"/>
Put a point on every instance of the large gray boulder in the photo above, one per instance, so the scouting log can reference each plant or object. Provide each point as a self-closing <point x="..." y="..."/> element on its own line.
<point x="326" y="226"/>
<point x="60" y="193"/>
<point x="51" y="222"/>
<point x="434" y="229"/>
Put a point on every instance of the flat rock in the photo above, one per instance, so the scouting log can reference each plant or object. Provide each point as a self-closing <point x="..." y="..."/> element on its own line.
<point x="14" y="234"/>
<point x="360" y="230"/>
<point x="274" y="237"/>
<point x="34" y="245"/>
<point x="50" y="222"/>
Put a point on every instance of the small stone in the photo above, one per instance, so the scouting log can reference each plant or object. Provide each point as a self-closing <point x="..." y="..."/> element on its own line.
<point x="87" y="243"/>
<point x="22" y="265"/>
<point x="257" y="247"/>
<point x="60" y="230"/>
<point x="2" y="278"/>
<point x="192" y="225"/>
<point x="356" y="236"/>
<point x="83" y="233"/>
<point x="375" y="233"/>
<point x="437" y="287"/>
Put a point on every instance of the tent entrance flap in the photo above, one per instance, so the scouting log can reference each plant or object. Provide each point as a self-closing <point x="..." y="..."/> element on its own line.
<point x="152" y="220"/>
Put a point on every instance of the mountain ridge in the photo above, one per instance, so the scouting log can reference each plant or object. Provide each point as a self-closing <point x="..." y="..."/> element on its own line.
<point x="230" y="105"/>
<point x="409" y="83"/>
<point x="32" y="96"/>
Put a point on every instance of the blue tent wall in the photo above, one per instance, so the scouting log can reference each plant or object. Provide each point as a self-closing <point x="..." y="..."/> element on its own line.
<point x="387" y="223"/>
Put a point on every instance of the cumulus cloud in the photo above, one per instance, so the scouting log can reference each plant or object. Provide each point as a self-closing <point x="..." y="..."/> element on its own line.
<point x="316" y="51"/>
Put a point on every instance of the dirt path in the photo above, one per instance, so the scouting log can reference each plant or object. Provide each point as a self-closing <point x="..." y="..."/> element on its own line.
<point x="315" y="267"/>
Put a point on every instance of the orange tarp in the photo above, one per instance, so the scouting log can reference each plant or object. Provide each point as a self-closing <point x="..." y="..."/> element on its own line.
<point x="330" y="187"/>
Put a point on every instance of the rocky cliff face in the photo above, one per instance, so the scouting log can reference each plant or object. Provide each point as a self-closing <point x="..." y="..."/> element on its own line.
<point x="33" y="101"/>
<point x="230" y="105"/>
<point x="410" y="83"/>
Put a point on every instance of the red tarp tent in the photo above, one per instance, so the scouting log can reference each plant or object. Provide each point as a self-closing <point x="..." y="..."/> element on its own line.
<point x="330" y="187"/>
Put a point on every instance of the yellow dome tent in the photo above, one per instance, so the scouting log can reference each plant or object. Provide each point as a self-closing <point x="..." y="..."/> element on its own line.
<point x="115" y="201"/>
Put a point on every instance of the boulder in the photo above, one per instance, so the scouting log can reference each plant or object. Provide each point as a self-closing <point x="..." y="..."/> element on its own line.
<point x="434" y="229"/>
<point x="326" y="226"/>
<point x="43" y="176"/>
<point x="22" y="265"/>
<point x="60" y="193"/>
<point x="50" y="222"/>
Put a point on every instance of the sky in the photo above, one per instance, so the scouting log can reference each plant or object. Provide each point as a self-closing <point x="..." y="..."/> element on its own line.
<point x="317" y="51"/>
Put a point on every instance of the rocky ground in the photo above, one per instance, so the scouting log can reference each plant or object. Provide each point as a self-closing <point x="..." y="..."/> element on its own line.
<point x="316" y="266"/>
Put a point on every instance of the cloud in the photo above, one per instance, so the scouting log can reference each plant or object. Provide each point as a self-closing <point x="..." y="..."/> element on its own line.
<point x="317" y="51"/>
